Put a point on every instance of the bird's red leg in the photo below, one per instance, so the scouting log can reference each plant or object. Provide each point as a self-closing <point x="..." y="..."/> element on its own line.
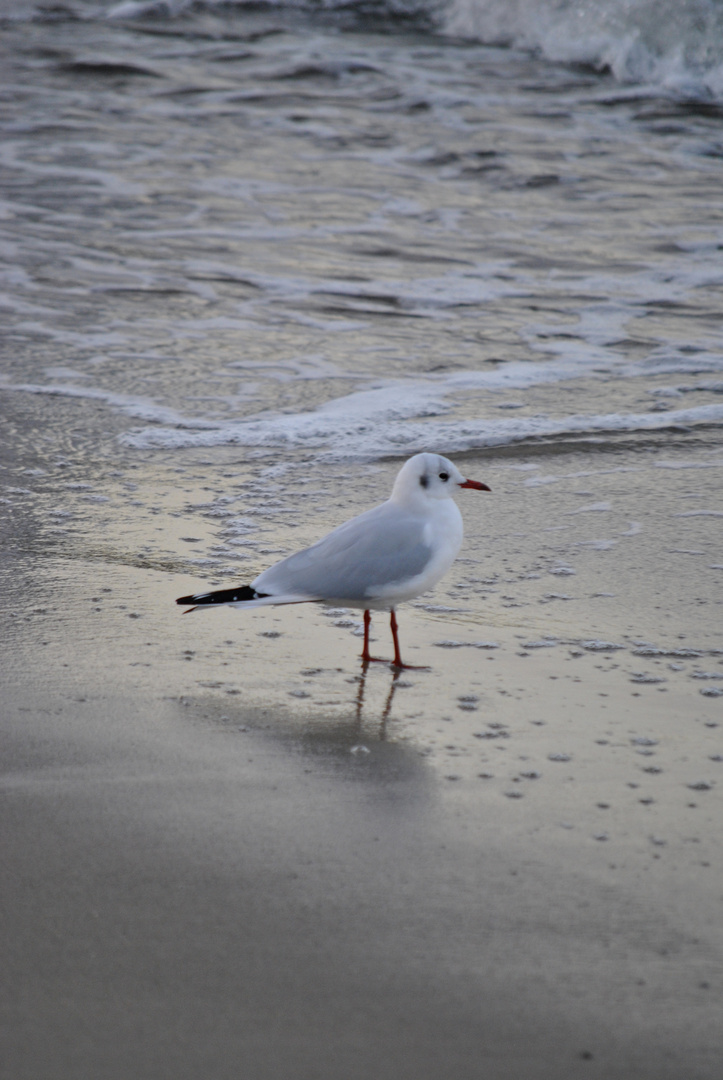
<point x="397" y="662"/>
<point x="366" y="658"/>
<point x="395" y="639"/>
<point x="367" y="623"/>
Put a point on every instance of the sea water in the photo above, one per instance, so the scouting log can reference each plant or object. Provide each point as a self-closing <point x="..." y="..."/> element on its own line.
<point x="320" y="236"/>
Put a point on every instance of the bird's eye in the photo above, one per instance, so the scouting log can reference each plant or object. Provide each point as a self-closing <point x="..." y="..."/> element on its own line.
<point x="444" y="476"/>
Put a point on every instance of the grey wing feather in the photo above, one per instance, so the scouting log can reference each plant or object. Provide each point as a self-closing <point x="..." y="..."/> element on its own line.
<point x="383" y="545"/>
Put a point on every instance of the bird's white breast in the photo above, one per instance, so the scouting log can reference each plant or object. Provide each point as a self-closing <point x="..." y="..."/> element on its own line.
<point x="443" y="533"/>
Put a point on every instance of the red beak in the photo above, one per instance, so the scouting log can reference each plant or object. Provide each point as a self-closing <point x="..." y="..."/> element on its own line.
<point x="476" y="485"/>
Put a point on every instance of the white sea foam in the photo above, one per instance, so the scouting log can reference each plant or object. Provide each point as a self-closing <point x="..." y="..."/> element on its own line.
<point x="678" y="46"/>
<point x="373" y="427"/>
<point x="391" y="418"/>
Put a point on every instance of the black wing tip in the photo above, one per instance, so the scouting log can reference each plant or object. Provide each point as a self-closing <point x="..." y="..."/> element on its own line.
<point x="238" y="595"/>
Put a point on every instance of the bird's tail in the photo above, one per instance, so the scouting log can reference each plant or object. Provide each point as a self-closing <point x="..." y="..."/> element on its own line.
<point x="242" y="595"/>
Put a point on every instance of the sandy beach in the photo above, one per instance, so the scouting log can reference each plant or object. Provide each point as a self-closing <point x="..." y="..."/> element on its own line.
<point x="254" y="258"/>
<point x="229" y="850"/>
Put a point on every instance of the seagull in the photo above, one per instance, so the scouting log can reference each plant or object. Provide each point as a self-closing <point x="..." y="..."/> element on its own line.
<point x="387" y="555"/>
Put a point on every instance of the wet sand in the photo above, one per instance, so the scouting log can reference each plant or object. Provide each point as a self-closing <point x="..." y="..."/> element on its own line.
<point x="231" y="852"/>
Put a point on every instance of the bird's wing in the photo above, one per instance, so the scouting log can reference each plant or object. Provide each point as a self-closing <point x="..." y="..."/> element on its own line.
<point x="382" y="546"/>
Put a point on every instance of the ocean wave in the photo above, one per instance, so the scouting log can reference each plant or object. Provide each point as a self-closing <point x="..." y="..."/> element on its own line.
<point x="675" y="45"/>
<point x="669" y="46"/>
<point x="346" y="437"/>
<point x="672" y="45"/>
<point x="393" y="417"/>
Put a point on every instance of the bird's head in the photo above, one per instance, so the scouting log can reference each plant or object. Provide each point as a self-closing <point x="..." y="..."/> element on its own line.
<point x="431" y="476"/>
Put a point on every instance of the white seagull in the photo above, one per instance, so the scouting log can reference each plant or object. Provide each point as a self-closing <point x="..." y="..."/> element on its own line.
<point x="379" y="559"/>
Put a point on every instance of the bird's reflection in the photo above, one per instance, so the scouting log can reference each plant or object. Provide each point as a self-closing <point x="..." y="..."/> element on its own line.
<point x="361" y="689"/>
